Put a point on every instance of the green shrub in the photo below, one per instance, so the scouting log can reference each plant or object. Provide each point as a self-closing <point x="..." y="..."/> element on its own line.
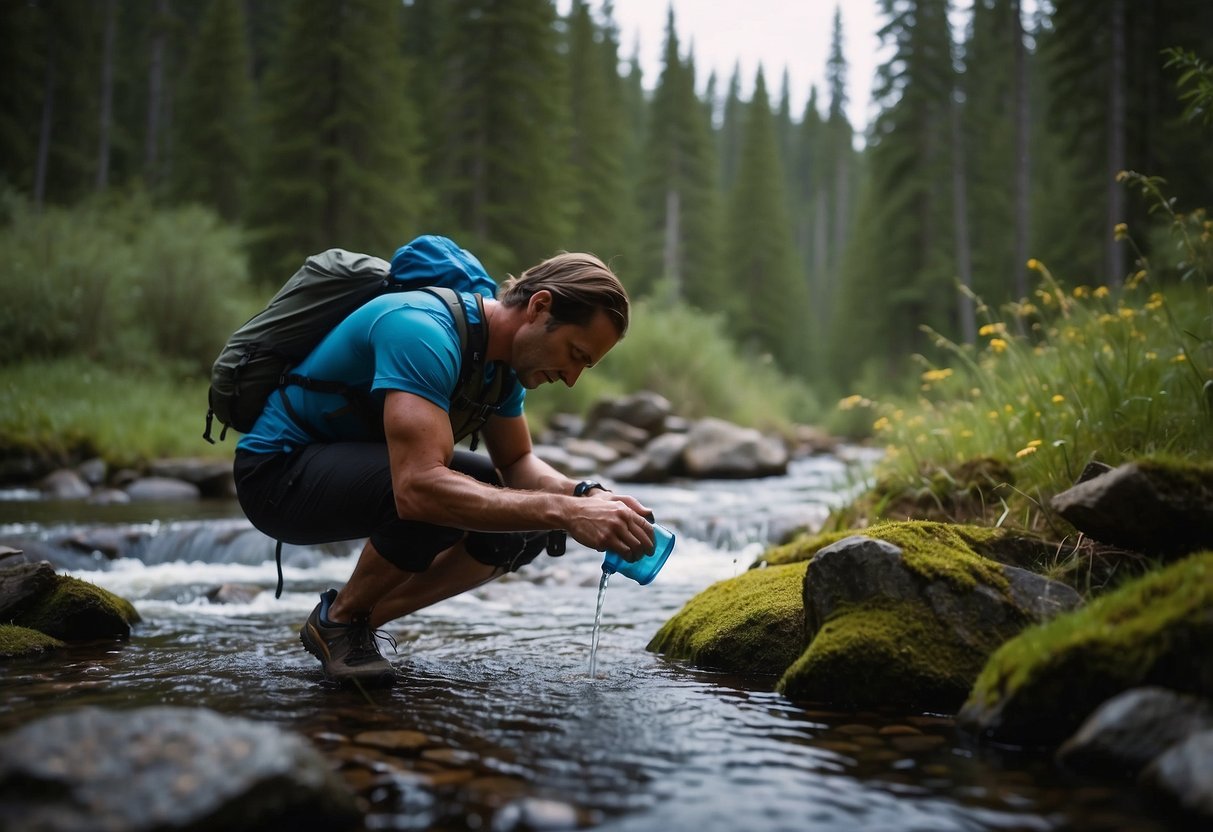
<point x="119" y="280"/>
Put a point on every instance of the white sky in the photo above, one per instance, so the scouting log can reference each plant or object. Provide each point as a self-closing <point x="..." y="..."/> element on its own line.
<point x="778" y="34"/>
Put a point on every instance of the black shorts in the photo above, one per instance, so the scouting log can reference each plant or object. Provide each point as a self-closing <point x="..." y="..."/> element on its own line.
<point x="343" y="491"/>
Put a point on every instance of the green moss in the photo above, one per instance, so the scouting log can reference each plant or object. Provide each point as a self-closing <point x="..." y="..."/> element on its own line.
<point x="753" y="623"/>
<point x="882" y="652"/>
<point x="1180" y="481"/>
<point x="1157" y="630"/>
<point x="74" y="610"/>
<point x="945" y="551"/>
<point x="22" y="641"/>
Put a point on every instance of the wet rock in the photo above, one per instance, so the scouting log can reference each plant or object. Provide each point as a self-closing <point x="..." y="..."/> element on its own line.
<point x="93" y="471"/>
<point x="624" y="438"/>
<point x="166" y="768"/>
<point x="566" y="463"/>
<point x="111" y="542"/>
<point x="109" y="497"/>
<point x="1144" y="506"/>
<point x="566" y="424"/>
<point x="1182" y="777"/>
<point x="21" y="585"/>
<point x="753" y="623"/>
<point x="64" y="484"/>
<point x="162" y="489"/>
<point x="719" y="449"/>
<point x="1129" y="730"/>
<point x="22" y="641"/>
<point x="601" y="453"/>
<point x="645" y="410"/>
<point x="910" y="624"/>
<point x="213" y="477"/>
<point x="233" y="594"/>
<point x="532" y="814"/>
<point x="1153" y="631"/>
<point x="74" y="610"/>
<point x="394" y="740"/>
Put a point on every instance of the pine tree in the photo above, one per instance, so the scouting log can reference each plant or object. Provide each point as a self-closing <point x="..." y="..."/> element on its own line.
<point x="599" y="139"/>
<point x="679" y="194"/>
<point x="730" y="131"/>
<point x="212" y="148"/>
<point x="338" y="165"/>
<point x="899" y="271"/>
<point x="504" y="156"/>
<point x="772" y="306"/>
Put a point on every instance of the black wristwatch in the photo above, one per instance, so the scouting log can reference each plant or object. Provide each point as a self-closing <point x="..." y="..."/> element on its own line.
<point x="582" y="488"/>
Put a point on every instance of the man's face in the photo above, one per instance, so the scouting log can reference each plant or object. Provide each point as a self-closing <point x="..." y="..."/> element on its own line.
<point x="541" y="356"/>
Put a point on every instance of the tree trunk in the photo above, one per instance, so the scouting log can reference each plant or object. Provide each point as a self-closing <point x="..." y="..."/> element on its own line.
<point x="673" y="235"/>
<point x="960" y="207"/>
<point x="48" y="115"/>
<point x="1115" y="259"/>
<point x="1022" y="152"/>
<point x="107" y="95"/>
<point x="155" y="94"/>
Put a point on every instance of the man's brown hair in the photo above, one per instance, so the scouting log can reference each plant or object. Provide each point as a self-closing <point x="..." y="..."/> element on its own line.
<point x="580" y="285"/>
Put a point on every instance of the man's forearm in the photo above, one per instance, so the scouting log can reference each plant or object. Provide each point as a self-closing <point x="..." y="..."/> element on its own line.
<point x="531" y="473"/>
<point x="448" y="498"/>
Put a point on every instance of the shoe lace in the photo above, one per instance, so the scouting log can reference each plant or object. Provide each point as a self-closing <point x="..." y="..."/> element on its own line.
<point x="363" y="637"/>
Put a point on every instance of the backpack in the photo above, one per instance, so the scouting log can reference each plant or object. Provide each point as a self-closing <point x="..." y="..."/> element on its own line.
<point x="329" y="286"/>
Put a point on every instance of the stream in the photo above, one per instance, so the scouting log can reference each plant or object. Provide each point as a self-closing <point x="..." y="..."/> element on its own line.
<point x="517" y="732"/>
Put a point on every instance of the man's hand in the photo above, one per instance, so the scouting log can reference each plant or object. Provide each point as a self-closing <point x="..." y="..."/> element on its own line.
<point x="605" y="520"/>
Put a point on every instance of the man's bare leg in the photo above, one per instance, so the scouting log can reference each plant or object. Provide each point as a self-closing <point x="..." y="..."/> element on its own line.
<point x="453" y="572"/>
<point x="387" y="592"/>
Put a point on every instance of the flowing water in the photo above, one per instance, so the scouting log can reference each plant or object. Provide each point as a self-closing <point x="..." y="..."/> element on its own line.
<point x="514" y="732"/>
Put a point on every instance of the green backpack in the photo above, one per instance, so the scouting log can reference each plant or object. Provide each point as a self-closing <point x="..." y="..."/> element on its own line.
<point x="258" y="357"/>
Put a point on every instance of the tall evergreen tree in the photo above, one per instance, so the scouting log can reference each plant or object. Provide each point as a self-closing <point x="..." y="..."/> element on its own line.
<point x="338" y="165"/>
<point x="772" y="309"/>
<point x="731" y="126"/>
<point x="679" y="194"/>
<point x="599" y="139"/>
<point x="212" y="148"/>
<point x="504" y="154"/>
<point x="904" y="253"/>
<point x="1112" y="98"/>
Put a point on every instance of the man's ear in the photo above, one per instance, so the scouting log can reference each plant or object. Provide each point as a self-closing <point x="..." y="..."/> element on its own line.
<point x="539" y="303"/>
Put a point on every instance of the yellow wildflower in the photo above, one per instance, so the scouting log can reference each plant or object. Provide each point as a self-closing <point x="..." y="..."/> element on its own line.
<point x="1028" y="451"/>
<point x="1101" y="291"/>
<point x="1121" y="231"/>
<point x="966" y="434"/>
<point x="1081" y="291"/>
<point x="1008" y="408"/>
<point x="1058" y="398"/>
<point x="1034" y="264"/>
<point x="1126" y="313"/>
<point x="1179" y="358"/>
<point x="998" y="328"/>
<point x="1155" y="301"/>
<point x="993" y="414"/>
<point x="852" y="402"/>
<point x="937" y="375"/>
<point x="1151" y="355"/>
<point x="998" y="345"/>
<point x="881" y="424"/>
<point x="1035" y="443"/>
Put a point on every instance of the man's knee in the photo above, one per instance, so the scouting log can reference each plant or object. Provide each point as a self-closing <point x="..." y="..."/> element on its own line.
<point x="510" y="551"/>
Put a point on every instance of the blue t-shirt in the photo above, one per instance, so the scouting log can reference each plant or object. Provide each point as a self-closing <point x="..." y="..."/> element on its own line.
<point x="400" y="341"/>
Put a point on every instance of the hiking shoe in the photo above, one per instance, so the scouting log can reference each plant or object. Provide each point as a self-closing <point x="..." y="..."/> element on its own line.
<point x="347" y="652"/>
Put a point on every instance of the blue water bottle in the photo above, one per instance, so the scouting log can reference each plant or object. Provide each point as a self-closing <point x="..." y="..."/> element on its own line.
<point x="644" y="570"/>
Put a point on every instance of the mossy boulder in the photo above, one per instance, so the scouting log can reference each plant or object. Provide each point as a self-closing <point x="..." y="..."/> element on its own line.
<point x="1155" y="506"/>
<point x="1156" y="630"/>
<point x="67" y="608"/>
<point x="923" y="620"/>
<point x="912" y="626"/>
<point x="22" y="641"/>
<point x="1002" y="545"/>
<point x="750" y="624"/>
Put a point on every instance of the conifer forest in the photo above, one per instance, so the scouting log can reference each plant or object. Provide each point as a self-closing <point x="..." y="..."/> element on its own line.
<point x="520" y="128"/>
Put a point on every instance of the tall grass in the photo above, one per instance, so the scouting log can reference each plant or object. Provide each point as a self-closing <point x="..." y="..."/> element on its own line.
<point x="1071" y="375"/>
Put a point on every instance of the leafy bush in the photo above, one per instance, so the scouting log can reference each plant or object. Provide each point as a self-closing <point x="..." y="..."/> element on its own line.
<point x="689" y="358"/>
<point x="119" y="281"/>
